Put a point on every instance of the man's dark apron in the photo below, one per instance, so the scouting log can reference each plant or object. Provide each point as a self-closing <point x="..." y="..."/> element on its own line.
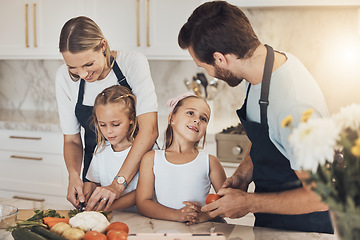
<point x="272" y="171"/>
<point x="84" y="115"/>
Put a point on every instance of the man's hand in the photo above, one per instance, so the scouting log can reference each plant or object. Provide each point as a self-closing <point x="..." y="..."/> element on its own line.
<point x="75" y="193"/>
<point x="234" y="203"/>
<point x="102" y="197"/>
<point x="242" y="175"/>
<point x="236" y="182"/>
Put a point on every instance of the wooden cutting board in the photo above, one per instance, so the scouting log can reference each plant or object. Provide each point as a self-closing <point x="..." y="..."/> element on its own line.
<point x="24" y="214"/>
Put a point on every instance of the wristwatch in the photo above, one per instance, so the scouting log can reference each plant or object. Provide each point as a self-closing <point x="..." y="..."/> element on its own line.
<point x="121" y="180"/>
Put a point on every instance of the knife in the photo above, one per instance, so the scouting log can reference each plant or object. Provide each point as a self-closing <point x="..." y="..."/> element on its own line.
<point x="81" y="207"/>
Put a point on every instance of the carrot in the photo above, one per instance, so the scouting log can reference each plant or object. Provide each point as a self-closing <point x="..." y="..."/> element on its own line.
<point x="51" y="221"/>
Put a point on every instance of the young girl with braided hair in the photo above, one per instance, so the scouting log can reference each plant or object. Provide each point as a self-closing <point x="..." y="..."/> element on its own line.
<point x="114" y="118"/>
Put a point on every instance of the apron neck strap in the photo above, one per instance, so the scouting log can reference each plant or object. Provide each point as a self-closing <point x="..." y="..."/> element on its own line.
<point x="81" y="91"/>
<point x="120" y="76"/>
<point x="265" y="84"/>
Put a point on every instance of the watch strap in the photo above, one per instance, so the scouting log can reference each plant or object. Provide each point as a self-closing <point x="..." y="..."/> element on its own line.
<point x="124" y="183"/>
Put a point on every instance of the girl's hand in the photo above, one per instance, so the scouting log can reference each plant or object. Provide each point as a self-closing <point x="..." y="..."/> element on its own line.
<point x="189" y="213"/>
<point x="195" y="215"/>
<point x="199" y="215"/>
<point x="102" y="198"/>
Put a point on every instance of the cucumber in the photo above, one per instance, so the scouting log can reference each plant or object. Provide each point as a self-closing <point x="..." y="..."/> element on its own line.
<point x="25" y="234"/>
<point x="46" y="233"/>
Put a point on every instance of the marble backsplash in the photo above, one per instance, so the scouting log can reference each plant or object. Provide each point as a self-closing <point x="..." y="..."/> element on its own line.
<point x="317" y="36"/>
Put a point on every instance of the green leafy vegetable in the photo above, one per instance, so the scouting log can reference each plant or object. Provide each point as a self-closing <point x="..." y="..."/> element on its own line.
<point x="36" y="219"/>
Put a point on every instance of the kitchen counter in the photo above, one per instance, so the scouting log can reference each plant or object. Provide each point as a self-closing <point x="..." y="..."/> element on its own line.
<point x="28" y="120"/>
<point x="140" y="224"/>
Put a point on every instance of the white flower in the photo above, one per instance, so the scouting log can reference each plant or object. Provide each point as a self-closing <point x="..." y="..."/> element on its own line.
<point x="314" y="142"/>
<point x="348" y="117"/>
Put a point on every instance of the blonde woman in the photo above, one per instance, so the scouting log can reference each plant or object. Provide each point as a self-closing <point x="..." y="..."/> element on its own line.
<point x="90" y="67"/>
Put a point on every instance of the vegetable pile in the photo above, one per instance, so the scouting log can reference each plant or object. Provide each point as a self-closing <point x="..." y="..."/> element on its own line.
<point x="50" y="225"/>
<point x="37" y="219"/>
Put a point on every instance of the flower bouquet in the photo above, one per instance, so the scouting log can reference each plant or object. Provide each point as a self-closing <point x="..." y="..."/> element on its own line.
<point x="329" y="150"/>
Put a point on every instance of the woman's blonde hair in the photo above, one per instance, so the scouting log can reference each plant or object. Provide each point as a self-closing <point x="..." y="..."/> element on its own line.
<point x="126" y="100"/>
<point x="81" y="34"/>
<point x="169" y="133"/>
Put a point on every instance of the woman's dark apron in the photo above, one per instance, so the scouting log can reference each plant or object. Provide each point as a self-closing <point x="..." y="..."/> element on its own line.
<point x="272" y="171"/>
<point x="84" y="115"/>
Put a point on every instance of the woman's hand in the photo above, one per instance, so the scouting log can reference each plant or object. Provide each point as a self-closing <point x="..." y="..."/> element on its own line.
<point x="89" y="187"/>
<point x="75" y="193"/>
<point x="102" y="197"/>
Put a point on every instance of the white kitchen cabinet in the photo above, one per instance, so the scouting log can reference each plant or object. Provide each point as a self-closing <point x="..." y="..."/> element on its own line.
<point x="147" y="26"/>
<point x="117" y="20"/>
<point x="293" y="3"/>
<point x="164" y="21"/>
<point x="32" y="166"/>
<point x="30" y="29"/>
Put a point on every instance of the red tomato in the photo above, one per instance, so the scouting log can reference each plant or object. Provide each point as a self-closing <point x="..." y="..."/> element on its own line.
<point x="119" y="226"/>
<point x="94" y="235"/>
<point x="117" y="235"/>
<point x="211" y="198"/>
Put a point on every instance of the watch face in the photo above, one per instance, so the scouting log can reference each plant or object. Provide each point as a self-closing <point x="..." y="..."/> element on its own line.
<point x="121" y="180"/>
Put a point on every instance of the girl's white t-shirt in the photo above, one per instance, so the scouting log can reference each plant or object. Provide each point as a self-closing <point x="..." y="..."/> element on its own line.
<point x="135" y="68"/>
<point x="105" y="166"/>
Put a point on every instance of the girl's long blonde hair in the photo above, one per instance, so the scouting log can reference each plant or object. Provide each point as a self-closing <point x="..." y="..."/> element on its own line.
<point x="124" y="98"/>
<point x="169" y="133"/>
<point x="81" y="34"/>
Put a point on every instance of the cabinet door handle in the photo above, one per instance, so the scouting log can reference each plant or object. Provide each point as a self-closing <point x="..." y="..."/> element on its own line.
<point x="137" y="23"/>
<point x="147" y="24"/>
<point x="29" y="199"/>
<point x="34" y="24"/>
<point x="26" y="26"/>
<point x="25" y="138"/>
<point x="26" y="158"/>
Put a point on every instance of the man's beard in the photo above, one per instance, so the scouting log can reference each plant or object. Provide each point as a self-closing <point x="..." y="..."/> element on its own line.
<point x="227" y="76"/>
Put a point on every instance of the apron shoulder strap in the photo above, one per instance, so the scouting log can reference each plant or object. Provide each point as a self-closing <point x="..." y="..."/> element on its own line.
<point x="120" y="76"/>
<point x="265" y="84"/>
<point x="81" y="91"/>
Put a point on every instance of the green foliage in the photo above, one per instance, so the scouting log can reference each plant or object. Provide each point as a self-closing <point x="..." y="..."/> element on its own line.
<point x="36" y="219"/>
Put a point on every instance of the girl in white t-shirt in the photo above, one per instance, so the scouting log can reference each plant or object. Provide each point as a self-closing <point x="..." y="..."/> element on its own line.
<point x="114" y="118"/>
<point x="173" y="183"/>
